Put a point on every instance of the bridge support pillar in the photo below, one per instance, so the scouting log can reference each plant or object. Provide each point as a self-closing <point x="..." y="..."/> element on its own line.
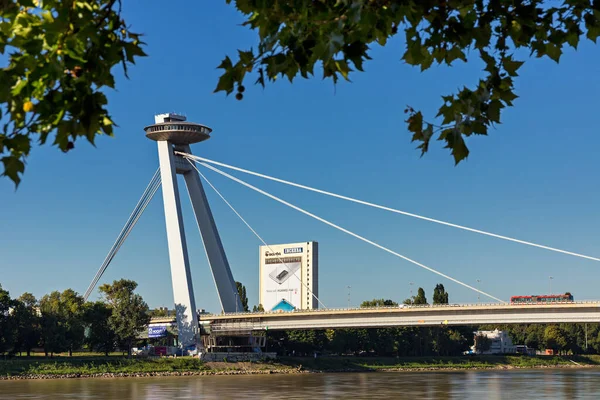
<point x="181" y="277"/>
<point x="172" y="132"/>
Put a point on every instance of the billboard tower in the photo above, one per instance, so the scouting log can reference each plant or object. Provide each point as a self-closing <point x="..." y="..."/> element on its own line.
<point x="289" y="276"/>
<point x="173" y="133"/>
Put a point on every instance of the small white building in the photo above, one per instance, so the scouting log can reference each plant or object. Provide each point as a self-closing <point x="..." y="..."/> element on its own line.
<point x="501" y="343"/>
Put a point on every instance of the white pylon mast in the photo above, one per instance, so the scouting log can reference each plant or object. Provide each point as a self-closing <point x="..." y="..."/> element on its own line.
<point x="173" y="132"/>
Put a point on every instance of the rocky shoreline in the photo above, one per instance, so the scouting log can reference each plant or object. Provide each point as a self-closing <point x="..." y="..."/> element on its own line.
<point x="495" y="367"/>
<point x="154" y="374"/>
<point x="298" y="370"/>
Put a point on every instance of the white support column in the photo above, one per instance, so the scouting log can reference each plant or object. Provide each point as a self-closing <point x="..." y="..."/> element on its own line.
<point x="226" y="289"/>
<point x="183" y="292"/>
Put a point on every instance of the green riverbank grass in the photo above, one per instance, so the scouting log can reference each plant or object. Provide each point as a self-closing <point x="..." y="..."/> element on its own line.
<point x="434" y="363"/>
<point x="98" y="365"/>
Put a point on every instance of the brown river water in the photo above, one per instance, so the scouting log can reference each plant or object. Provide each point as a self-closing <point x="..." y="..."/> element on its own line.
<point x="513" y="385"/>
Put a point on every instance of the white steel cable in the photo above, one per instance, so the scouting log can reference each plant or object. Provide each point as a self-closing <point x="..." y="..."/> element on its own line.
<point x="124" y="229"/>
<point x="131" y="216"/>
<point x="394" y="210"/>
<point x="116" y="245"/>
<point x="347" y="231"/>
<point x="135" y="220"/>
<point x="252" y="229"/>
<point x="143" y="207"/>
<point x="115" y="248"/>
<point x="131" y="221"/>
<point x="121" y="240"/>
<point x="124" y="232"/>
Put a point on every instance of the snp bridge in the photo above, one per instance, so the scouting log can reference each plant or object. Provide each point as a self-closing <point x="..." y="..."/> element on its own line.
<point x="174" y="135"/>
<point x="436" y="315"/>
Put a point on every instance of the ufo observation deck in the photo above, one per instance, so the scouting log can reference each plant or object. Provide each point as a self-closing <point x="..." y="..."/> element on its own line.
<point x="178" y="132"/>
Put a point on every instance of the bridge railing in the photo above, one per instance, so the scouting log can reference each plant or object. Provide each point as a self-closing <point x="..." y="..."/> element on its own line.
<point x="401" y="306"/>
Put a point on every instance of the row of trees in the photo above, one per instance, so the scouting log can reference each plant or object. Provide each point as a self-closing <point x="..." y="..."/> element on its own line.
<point x="442" y="341"/>
<point x="63" y="321"/>
<point x="440" y="296"/>
<point x="564" y="338"/>
<point x="413" y="341"/>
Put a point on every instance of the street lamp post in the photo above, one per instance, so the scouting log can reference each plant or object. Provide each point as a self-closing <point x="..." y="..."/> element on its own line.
<point x="478" y="295"/>
<point x="551" y="277"/>
<point x="411" y="285"/>
<point x="349" y="287"/>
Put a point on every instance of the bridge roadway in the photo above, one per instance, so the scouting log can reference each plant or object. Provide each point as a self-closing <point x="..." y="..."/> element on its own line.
<point x="430" y="315"/>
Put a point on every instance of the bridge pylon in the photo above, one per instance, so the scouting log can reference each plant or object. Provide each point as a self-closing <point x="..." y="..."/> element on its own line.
<point x="173" y="133"/>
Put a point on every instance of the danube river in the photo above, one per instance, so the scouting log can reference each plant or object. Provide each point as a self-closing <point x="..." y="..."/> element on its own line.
<point x="530" y="384"/>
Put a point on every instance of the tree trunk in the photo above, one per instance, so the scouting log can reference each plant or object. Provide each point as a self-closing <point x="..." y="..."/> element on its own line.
<point x="28" y="352"/>
<point x="70" y="352"/>
<point x="129" y="348"/>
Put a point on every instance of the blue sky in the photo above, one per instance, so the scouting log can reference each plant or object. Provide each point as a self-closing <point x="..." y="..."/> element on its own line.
<point x="534" y="177"/>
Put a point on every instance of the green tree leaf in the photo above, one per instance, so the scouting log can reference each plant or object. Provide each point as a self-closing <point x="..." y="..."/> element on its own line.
<point x="511" y="66"/>
<point x="493" y="111"/>
<point x="553" y="51"/>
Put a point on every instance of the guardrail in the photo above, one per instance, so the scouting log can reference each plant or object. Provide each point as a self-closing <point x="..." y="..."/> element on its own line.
<point x="401" y="306"/>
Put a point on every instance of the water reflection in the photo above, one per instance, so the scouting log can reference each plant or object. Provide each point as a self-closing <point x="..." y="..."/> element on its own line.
<point x="548" y="384"/>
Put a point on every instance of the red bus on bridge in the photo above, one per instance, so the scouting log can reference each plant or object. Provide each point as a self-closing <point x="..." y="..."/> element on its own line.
<point x="542" y="299"/>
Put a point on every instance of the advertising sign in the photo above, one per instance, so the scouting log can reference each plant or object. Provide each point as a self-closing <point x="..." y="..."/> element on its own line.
<point x="293" y="250"/>
<point x="281" y="282"/>
<point x="157" y="331"/>
<point x="289" y="276"/>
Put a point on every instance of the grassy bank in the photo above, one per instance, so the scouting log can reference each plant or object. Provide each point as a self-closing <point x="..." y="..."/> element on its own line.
<point x="93" y="365"/>
<point x="439" y="363"/>
<point x="98" y="366"/>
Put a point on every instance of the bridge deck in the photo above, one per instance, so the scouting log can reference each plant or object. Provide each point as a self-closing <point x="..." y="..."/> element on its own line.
<point x="430" y="315"/>
<point x="408" y="316"/>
